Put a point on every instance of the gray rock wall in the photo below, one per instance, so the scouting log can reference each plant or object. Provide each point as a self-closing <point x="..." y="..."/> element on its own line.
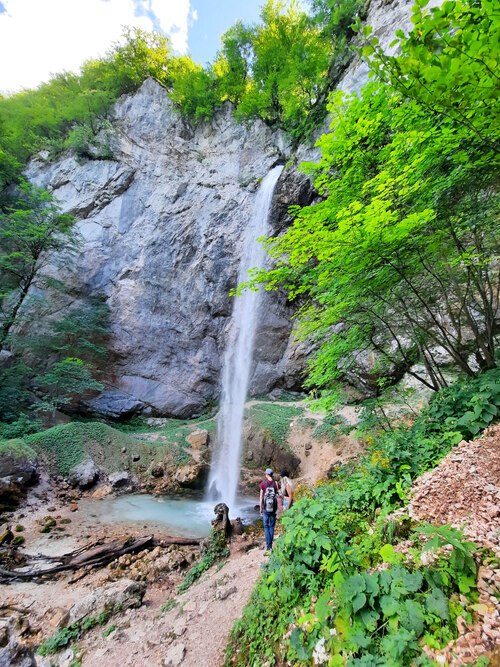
<point x="161" y="227"/>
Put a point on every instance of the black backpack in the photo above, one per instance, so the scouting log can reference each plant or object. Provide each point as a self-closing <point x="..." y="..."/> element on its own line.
<point x="270" y="498"/>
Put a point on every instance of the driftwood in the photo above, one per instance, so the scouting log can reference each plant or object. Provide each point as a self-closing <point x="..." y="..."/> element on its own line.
<point x="90" y="556"/>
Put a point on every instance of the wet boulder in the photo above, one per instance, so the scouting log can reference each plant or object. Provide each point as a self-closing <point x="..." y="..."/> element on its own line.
<point x="122" y="481"/>
<point x="191" y="475"/>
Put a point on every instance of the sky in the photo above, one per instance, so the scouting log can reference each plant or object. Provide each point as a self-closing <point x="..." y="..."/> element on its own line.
<point x="42" y="37"/>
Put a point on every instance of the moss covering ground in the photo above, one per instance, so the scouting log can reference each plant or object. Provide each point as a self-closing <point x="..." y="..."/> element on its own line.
<point x="63" y="447"/>
<point x="17" y="448"/>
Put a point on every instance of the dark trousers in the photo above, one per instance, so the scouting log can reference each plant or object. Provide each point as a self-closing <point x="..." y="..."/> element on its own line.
<point x="269" y="519"/>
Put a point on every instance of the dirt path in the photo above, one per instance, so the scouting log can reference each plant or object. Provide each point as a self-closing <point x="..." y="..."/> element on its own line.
<point x="193" y="633"/>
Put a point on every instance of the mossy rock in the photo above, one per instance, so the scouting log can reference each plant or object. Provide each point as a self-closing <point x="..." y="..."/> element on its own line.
<point x="64" y="447"/>
<point x="17" y="449"/>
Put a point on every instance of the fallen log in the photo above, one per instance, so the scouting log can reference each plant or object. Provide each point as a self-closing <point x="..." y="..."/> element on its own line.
<point x="96" y="554"/>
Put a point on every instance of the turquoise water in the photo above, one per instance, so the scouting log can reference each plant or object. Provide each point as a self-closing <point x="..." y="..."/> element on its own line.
<point x="179" y="516"/>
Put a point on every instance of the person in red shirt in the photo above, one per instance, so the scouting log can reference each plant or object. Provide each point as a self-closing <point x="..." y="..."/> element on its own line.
<point x="268" y="506"/>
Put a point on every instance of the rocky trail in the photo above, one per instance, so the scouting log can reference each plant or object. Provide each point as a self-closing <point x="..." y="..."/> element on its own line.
<point x="464" y="491"/>
<point x="193" y="632"/>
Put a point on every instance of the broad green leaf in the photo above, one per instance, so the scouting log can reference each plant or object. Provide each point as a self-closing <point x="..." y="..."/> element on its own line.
<point x="389" y="605"/>
<point x="437" y="603"/>
<point x="358" y="602"/>
<point x="388" y="554"/>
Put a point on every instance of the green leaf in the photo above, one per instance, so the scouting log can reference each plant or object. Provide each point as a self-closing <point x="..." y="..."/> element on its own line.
<point x="323" y="607"/>
<point x="296" y="644"/>
<point x="370" y="619"/>
<point x="388" y="554"/>
<point x="437" y="603"/>
<point x="353" y="585"/>
<point x="389" y="605"/>
<point x="358" y="602"/>
<point x="396" y="643"/>
<point x="412" y="617"/>
<point x="371" y="583"/>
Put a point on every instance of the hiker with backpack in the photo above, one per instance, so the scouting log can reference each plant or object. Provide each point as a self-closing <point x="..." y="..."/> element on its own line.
<point x="268" y="506"/>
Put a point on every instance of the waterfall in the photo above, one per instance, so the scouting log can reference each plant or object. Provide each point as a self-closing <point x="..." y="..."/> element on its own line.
<point x="225" y="470"/>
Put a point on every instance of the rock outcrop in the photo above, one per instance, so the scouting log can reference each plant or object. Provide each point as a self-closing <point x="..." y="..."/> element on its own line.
<point x="115" y="597"/>
<point x="161" y="226"/>
<point x="84" y="474"/>
<point x="18" y="470"/>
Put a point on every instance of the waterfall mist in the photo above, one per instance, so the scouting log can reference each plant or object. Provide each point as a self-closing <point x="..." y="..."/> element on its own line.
<point x="225" y="469"/>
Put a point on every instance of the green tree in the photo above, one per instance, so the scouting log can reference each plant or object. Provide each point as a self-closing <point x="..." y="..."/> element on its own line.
<point x="289" y="66"/>
<point x="193" y="88"/>
<point x="449" y="63"/>
<point x="401" y="255"/>
<point x="30" y="234"/>
<point x="67" y="380"/>
<point x="42" y="118"/>
<point x="81" y="331"/>
<point x="142" y="55"/>
<point x="336" y="17"/>
<point x="232" y="66"/>
<point x="45" y="341"/>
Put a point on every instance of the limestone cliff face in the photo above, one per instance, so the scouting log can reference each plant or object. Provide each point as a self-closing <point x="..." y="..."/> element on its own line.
<point x="162" y="226"/>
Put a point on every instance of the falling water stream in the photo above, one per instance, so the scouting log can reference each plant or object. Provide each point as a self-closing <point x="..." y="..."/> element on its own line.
<point x="225" y="470"/>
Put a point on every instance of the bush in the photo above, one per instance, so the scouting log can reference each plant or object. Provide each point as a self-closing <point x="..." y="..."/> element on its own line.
<point x="23" y="426"/>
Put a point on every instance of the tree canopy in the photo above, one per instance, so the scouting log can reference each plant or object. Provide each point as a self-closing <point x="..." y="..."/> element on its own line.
<point x="401" y="255"/>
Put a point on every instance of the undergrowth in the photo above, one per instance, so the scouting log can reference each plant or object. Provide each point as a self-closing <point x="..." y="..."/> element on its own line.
<point x="67" y="445"/>
<point x="332" y="427"/>
<point x="338" y="589"/>
<point x="17" y="448"/>
<point x="216" y="550"/>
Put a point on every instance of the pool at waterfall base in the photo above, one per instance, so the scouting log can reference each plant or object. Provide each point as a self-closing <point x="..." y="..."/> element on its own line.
<point x="179" y="516"/>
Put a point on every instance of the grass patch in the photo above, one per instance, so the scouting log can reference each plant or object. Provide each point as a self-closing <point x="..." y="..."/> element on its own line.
<point x="73" y="632"/>
<point x="306" y="422"/>
<point x="63" y="447"/>
<point x="168" y="605"/>
<point x="66" y="446"/>
<point x="173" y="433"/>
<point x="275" y="419"/>
<point x="109" y="630"/>
<point x="332" y="427"/>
